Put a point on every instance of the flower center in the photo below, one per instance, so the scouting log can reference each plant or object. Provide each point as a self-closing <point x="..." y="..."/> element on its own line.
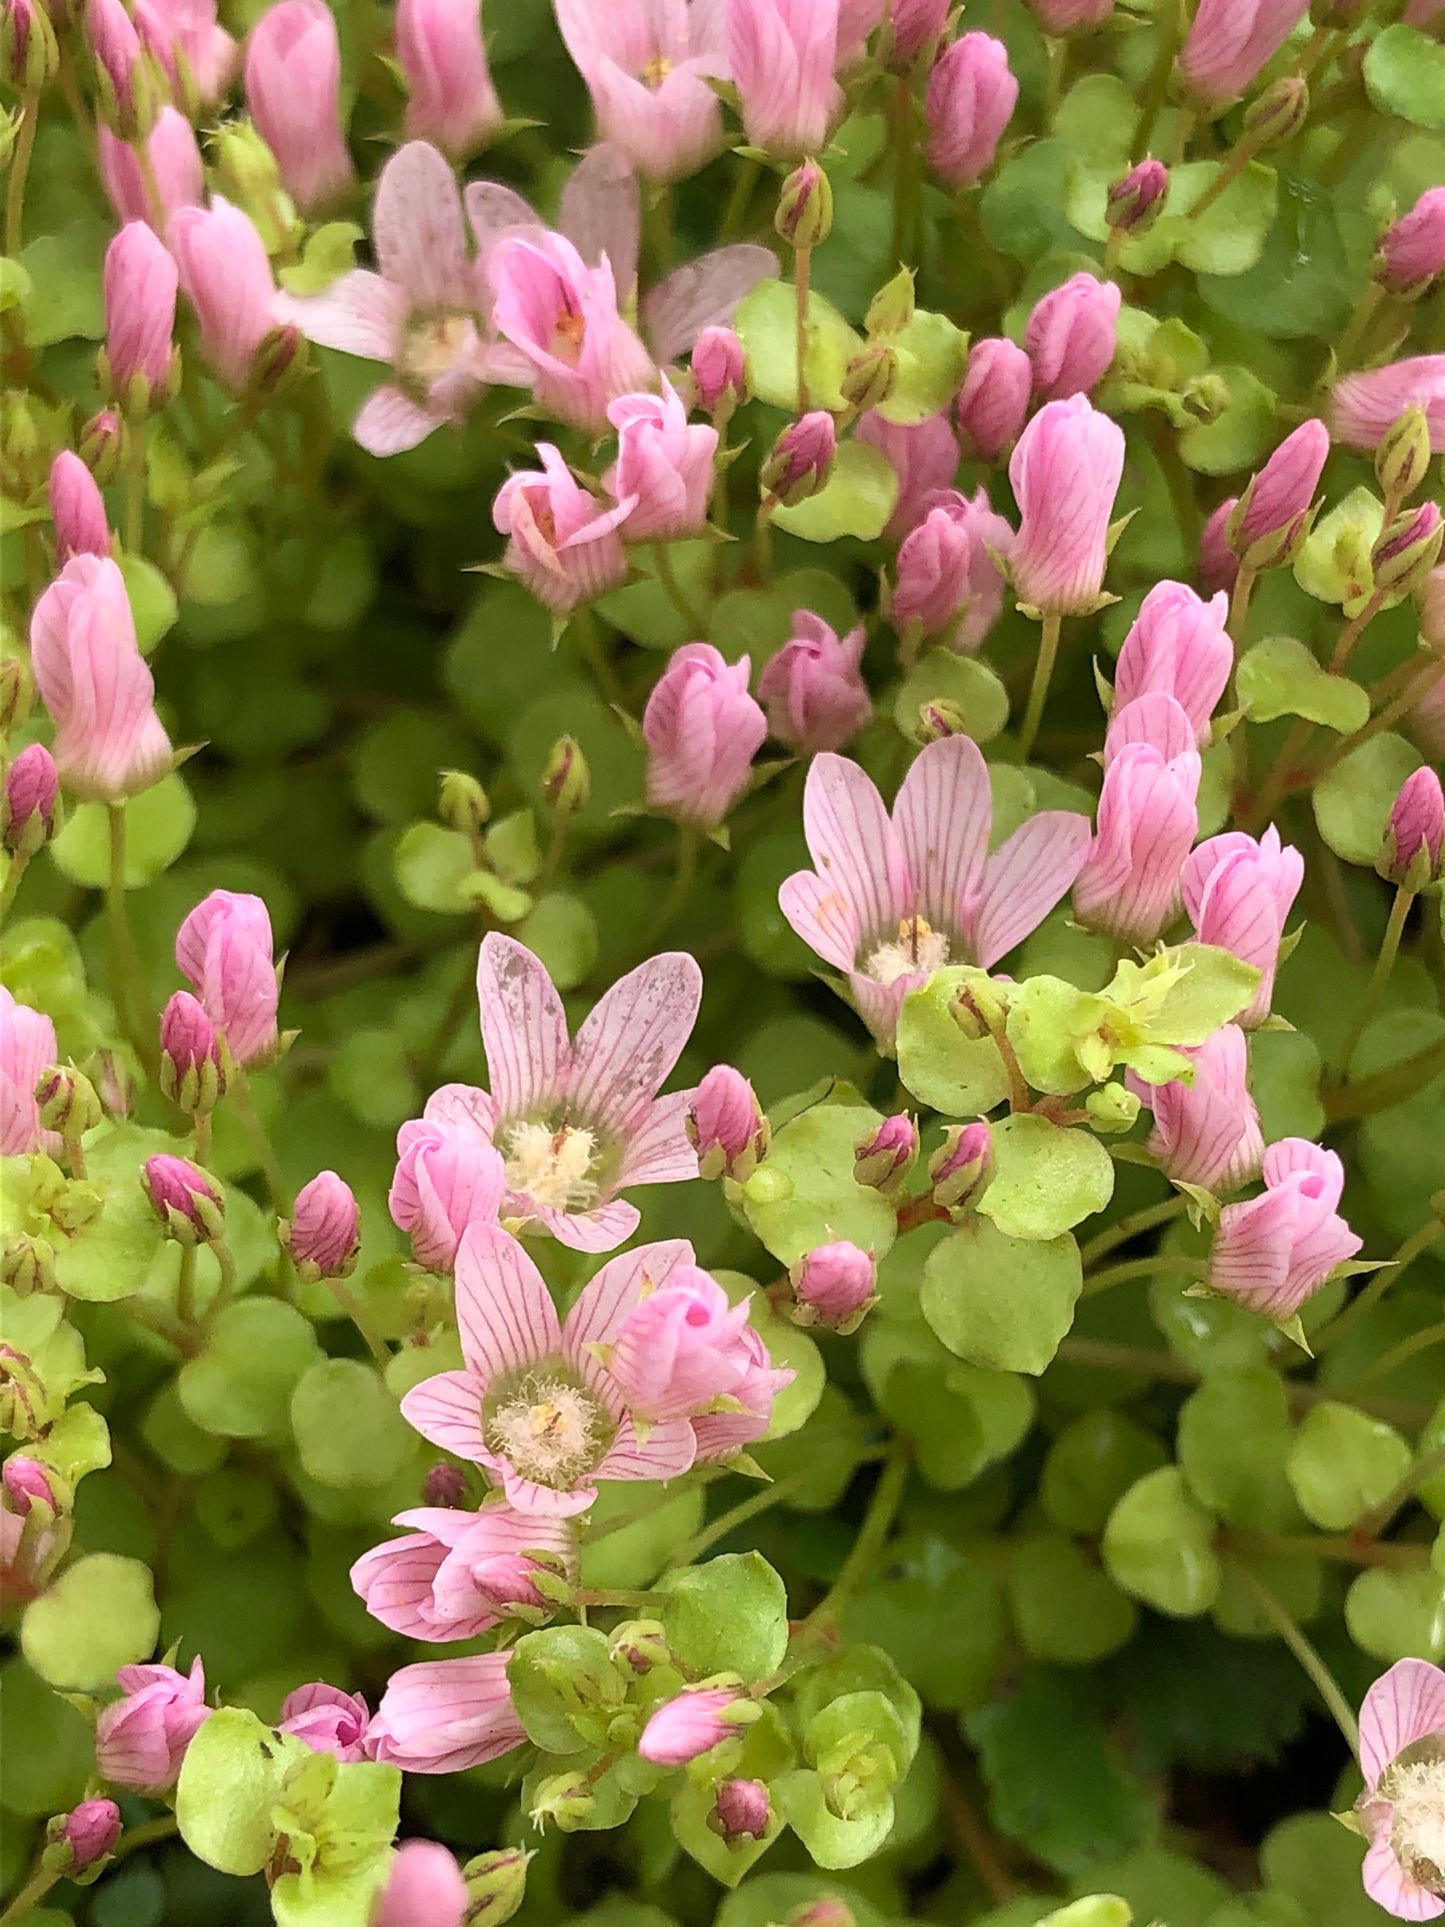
<point x="656" y="71"/>
<point x="1416" y="1789"/>
<point x="568" y="332"/>
<point x="432" y="346"/>
<point x="918" y="947"/>
<point x="551" y="1166"/>
<point x="549" y="1431"/>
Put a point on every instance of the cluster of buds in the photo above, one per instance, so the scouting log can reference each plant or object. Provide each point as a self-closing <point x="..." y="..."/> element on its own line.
<point x="726" y="1126"/>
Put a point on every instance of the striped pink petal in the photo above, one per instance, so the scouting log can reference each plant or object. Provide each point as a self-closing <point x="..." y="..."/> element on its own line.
<point x="524" y="1028"/>
<point x="1387" y="1883"/>
<point x="942" y="818"/>
<point x="630" y="1041"/>
<point x="505" y="1313"/>
<point x="447" y="1411"/>
<point x="1404" y="1705"/>
<point x="854" y="847"/>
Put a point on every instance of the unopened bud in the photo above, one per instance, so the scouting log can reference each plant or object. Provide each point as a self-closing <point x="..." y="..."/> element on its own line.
<point x="805" y="207"/>
<point x="29" y="55"/>
<point x="833" y="1286"/>
<point x="190" y="1204"/>
<point x="280" y="360"/>
<point x="871" y="376"/>
<point x="496" y="1886"/>
<point x="826" y="1911"/>
<point x="462" y="803"/>
<point x="194" y="1070"/>
<point x="17" y="694"/>
<point x="961" y="1167"/>
<point x="639" y="1645"/>
<point x="1278" y="113"/>
<point x="726" y="1126"/>
<point x="892" y="308"/>
<point x="801" y="460"/>
<point x="742" y="1810"/>
<point x="28" y="1264"/>
<point x="86" y="1835"/>
<point x="1402" y="458"/>
<point x="26" y="1483"/>
<point x="981" y="1007"/>
<point x="566" y="779"/>
<point x="1136" y="201"/>
<point x="30" y="803"/>
<point x="114" y="1083"/>
<point x="883" y="1158"/>
<point x="101" y="445"/>
<point x="1415" y="834"/>
<point x="1408" y="550"/>
<point x="67" y="1101"/>
<point x="940" y="717"/>
<point x="444" y="1485"/>
<point x="247" y="175"/>
<point x="1112" y="1108"/>
<point x="719" y="370"/>
<point x="566" y="1799"/>
<point x="324" y="1234"/>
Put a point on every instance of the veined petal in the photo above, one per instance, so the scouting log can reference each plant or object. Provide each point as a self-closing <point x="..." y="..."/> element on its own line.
<point x="505" y="1314"/>
<point x="1387" y="1883"/>
<point x="667" y="1452"/>
<point x="447" y="1411"/>
<point x="361" y="314"/>
<point x="702" y="294"/>
<point x="657" y="1151"/>
<point x="630" y="1041"/>
<point x="390" y="422"/>
<point x="606" y="1300"/>
<point x="544" y="1501"/>
<point x="854" y="846"/>
<point x="524" y="1028"/>
<point x="601" y="1230"/>
<point x="942" y="816"/>
<point x="1022" y="881"/>
<point x="601" y="213"/>
<point x="1404" y="1705"/>
<point x="822" y="916"/>
<point x="417" y="230"/>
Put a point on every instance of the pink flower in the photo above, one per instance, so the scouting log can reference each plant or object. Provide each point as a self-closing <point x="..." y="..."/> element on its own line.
<point x="1071" y="336"/>
<point x="720" y="1434"/>
<point x="190" y="1047"/>
<point x="175" y="161"/>
<point x="116" y="50"/>
<point x="29" y="801"/>
<point x="924" y="457"/>
<point x="456" y="1575"/>
<point x="857" y="20"/>
<point x="1218" y="565"/>
<point x="1237" y="893"/>
<point x="1207" y="1132"/>
<point x="1179" y="646"/>
<point x="702" y="730"/>
<point x="420" y="314"/>
<point x="225" y="951"/>
<point x="533" y="1405"/>
<point x="916" y="24"/>
<point x="142" y="1738"/>
<point x="1128" y="885"/>
<point x="891" y="901"/>
<point x="994" y="399"/>
<point x="947" y="578"/>
<point x="719" y="368"/>
<point x="226" y="276"/>
<point x="109" y="742"/>
<point x="664" y="465"/>
<point x="680" y="1348"/>
<point x="1060" y="17"/>
<point x="449" y="1174"/>
<point x="1412" y="252"/>
<point x="884" y="1157"/>
<point x="293" y="89"/>
<point x="970" y="101"/>
<point x="647" y="68"/>
<point x="1402" y="1727"/>
<point x="450" y="96"/>
<point x="1275" y="508"/>
<point x="580" y="1120"/>
<point x="90" y="1831"/>
<point x="197" y="55"/>
<point x="833" y="1285"/>
<point x="1135" y="199"/>
<point x="1363" y="407"/>
<point x="327" y="1720"/>
<point x="562" y="317"/>
<point x="446" y="1715"/>
<point x="691" y="1724"/>
<point x="1065" y="474"/>
<point x="188" y="1203"/>
<point x="140" y="309"/>
<point x="726" y="1126"/>
<point x="1230" y="40"/>
<point x="325" y="1229"/>
<point x="563" y="544"/>
<point x="781" y="55"/>
<point x="1415" y="833"/>
<point x="425" y="1888"/>
<point x="816" y="698"/>
<point x="1273" y="1252"/>
<point x="742" y="1810"/>
<point x="77" y="511"/>
<point x="27" y="1047"/>
<point x="27" y="1483"/>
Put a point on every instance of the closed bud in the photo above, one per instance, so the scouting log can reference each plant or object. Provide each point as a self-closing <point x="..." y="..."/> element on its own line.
<point x="826" y="1911"/>
<point x="1403" y="456"/>
<point x="742" y="1810"/>
<point x="1278" y="113"/>
<point x="801" y="460"/>
<point x="194" y="1069"/>
<point x="188" y="1203"/>
<point x="87" y="1835"/>
<point x="892" y="308"/>
<point x="280" y="360"/>
<point x="833" y="1286"/>
<point x="30" y="807"/>
<point x="1136" y="201"/>
<point x="980" y="1008"/>
<point x="29" y="56"/>
<point x="1412" y="251"/>
<point x="566" y="779"/>
<point x="101" y="445"/>
<point x="1112" y="1108"/>
<point x="28" y="1264"/>
<point x="693" y="1723"/>
<point x="914" y="28"/>
<point x="444" y="1485"/>
<point x="726" y="1126"/>
<point x="247" y="175"/>
<point x="27" y="1483"/>
<point x="871" y="376"/>
<point x="566" y="1799"/>
<point x="496" y="1886"/>
<point x="1407" y="550"/>
<point x="940" y="717"/>
<point x="1415" y="833"/>
<point x="114" y="1083"/>
<point x="719" y="370"/>
<point x="17" y="694"/>
<point x="324" y="1234"/>
<point x="67" y="1101"/>
<point x="462" y="803"/>
<point x="1270" y="521"/>
<point x="883" y="1159"/>
<point x="961" y="1167"/>
<point x="639" y="1645"/>
<point x="805" y="207"/>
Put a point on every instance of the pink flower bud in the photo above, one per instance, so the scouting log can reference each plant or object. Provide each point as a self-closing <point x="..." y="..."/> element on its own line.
<point x="563" y="544"/>
<point x="1065" y="474"/>
<point x="26" y="1483"/>
<point x="1274" y="1252"/>
<point x="447" y="1176"/>
<point x="693" y="1723"/>
<point x="884" y="1157"/>
<point x="224" y="950"/>
<point x="917" y="25"/>
<point x="140" y="309"/>
<point x="719" y="369"/>
<point x="1137" y="199"/>
<point x="994" y="400"/>
<point x="664" y="466"/>
<point x="109" y="742"/>
<point x="726" y="1126"/>
<point x="1229" y="41"/>
<point x="702" y="730"/>
<point x="327" y="1720"/>
<point x="124" y="86"/>
<point x="742" y="1810"/>
<point x="425" y="1888"/>
<point x="1060" y="17"/>
<point x="1071" y="336"/>
<point x="197" y="56"/>
<point x="1364" y="408"/>
<point x="443" y="1715"/>
<point x="1430" y="599"/>
<point x="961" y="1166"/>
<point x="970" y="101"/>
<point x="1237" y="893"/>
<point x="948" y="578"/>
<point x="27" y="1047"/>
<point x="1218" y="565"/>
<point x="801" y="460"/>
<point x="815" y="695"/>
<point x="224" y="270"/>
<point x="445" y="1485"/>
<point x="458" y="1574"/>
<point x="1274" y="512"/>
<point x="193" y="1068"/>
<point x="29" y="55"/>
<point x="1207" y="1132"/>
<point x="681" y="1348"/>
<point x="142" y="1738"/>
<point x="834" y="1285"/>
<point x="450" y="97"/>
<point x="1412" y="252"/>
<point x="1179" y="646"/>
<point x="805" y="207"/>
<point x="293" y="85"/>
<point x="857" y="20"/>
<point x="99" y="445"/>
<point x="1415" y="833"/>
<point x="1408" y="549"/>
<point x="1128" y="886"/>
<point x="77" y="512"/>
<point x="325" y="1230"/>
<point x="647" y="72"/>
<point x="781" y="55"/>
<point x="90" y="1831"/>
<point x="190" y="1205"/>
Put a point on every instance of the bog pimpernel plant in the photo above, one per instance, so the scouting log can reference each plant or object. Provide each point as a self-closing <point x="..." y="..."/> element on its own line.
<point x="723" y="1071"/>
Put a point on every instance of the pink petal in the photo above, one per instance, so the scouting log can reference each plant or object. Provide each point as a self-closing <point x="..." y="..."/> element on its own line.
<point x="1322" y="1168"/>
<point x="823" y="918"/>
<point x="493" y="211"/>
<point x="879" y="1004"/>
<point x="361" y="314"/>
<point x="524" y="1028"/>
<point x="447" y="1411"/>
<point x="1387" y="1883"/>
<point x="658" y="1151"/>
<point x="702" y="294"/>
<point x="630" y="1041"/>
<point x="605" y="1229"/>
<point x="1022" y="881"/>
<point x="668" y="1451"/>
<point x="606" y="1300"/>
<point x="942" y="817"/>
<point x="505" y="1313"/>
<point x="544" y="1501"/>
<point x="1404" y="1705"/>
<point x="417" y="230"/>
<point x="390" y="422"/>
<point x="854" y="846"/>
<point x="601" y="214"/>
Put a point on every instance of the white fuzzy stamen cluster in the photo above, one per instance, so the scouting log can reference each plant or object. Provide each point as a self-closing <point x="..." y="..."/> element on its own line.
<point x="918" y="947"/>
<point x="1417" y="1832"/>
<point x="550" y="1166"/>
<point x="432" y="344"/>
<point x="548" y="1431"/>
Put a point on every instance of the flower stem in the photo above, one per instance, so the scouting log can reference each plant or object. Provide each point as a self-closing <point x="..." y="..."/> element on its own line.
<point x="1156" y="87"/>
<point x="1235" y="163"/>
<point x="18" y="866"/>
<point x="682" y="882"/>
<point x="735" y="214"/>
<point x="19" y="170"/>
<point x="357" y="1313"/>
<point x="1374" y="990"/>
<point x="1130" y="1227"/>
<point x="676" y="595"/>
<point x="1379" y="1516"/>
<point x="1387" y="717"/>
<point x="1058" y="62"/>
<point x="1304" y="1651"/>
<point x="1365" y="1302"/>
<point x="1401" y="1354"/>
<point x="34" y="1890"/>
<point x="135" y="489"/>
<point x="1039" y="689"/>
<point x="735" y="1516"/>
<point x="802" y="272"/>
<point x="127" y="993"/>
<point x="1161" y="1263"/>
<point x="1353" y="630"/>
<point x="868" y="1546"/>
<point x="240" y="1090"/>
<point x="186" y="1287"/>
<point x="1357" y="327"/>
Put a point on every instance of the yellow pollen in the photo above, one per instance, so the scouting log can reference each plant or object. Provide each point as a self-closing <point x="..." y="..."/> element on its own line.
<point x="918" y="947"/>
<point x="432" y="345"/>
<point x="655" y="72"/>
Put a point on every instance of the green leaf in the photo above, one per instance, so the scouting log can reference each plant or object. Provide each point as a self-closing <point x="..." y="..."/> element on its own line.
<point x="939" y="1616"/>
<point x="811" y="1196"/>
<point x="1065" y="1608"/>
<point x="559" y="1675"/>
<point x="727" y="1616"/>
<point x="51" y="1746"/>
<point x="831" y="1842"/>
<point x="1405" y="76"/>
<point x="153" y="604"/>
<point x="562" y="931"/>
<point x="1212" y="988"/>
<point x="1234" y="1439"/>
<point x="349" y="1429"/>
<point x="932" y="355"/>
<point x="1045" y="1179"/>
<point x="330" y="252"/>
<point x="630" y="1555"/>
<point x="1353" y="800"/>
<point x="64" y="270"/>
<point x="1000" y="1301"/>
<point x="1047" y="1018"/>
<point x="433" y="868"/>
<point x="230" y="1782"/>
<point x="98" y="1616"/>
<point x="1091" y="1464"/>
<point x="1095" y="1910"/>
<point x="240" y="1386"/>
<point x="1229" y="237"/>
<point x="1280" y="677"/>
<point x="857" y="500"/>
<point x="1343" y="1463"/>
<point x="109" y="1258"/>
<point x="1333" y="564"/>
<point x="158" y="826"/>
<point x="962" y="680"/>
<point x="766" y="323"/>
<point x="1316" y="1862"/>
<point x="1158" y="1545"/>
<point x="960" y="1076"/>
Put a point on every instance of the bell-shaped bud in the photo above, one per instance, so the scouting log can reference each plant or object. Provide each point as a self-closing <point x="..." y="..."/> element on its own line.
<point x="193" y="1065"/>
<point x="834" y="1286"/>
<point x="1415" y="833"/>
<point x="805" y="207"/>
<point x="87" y="1834"/>
<point x="1407" y="550"/>
<point x="1402" y="458"/>
<point x="742" y="1810"/>
<point x="566" y="778"/>
<point x="961" y="1167"/>
<point x="726" y="1126"/>
<point x="445" y="1485"/>
<point x="27" y="1264"/>
<point x="29" y="55"/>
<point x="496" y="1886"/>
<point x="30" y="804"/>
<point x="883" y="1158"/>
<point x="67" y="1101"/>
<point x="17" y="694"/>
<point x="27" y="1483"/>
<point x="719" y="370"/>
<point x="892" y="308"/>
<point x="190" y="1205"/>
<point x="462" y="803"/>
<point x="324" y="1234"/>
<point x="1278" y="113"/>
<point x="801" y="460"/>
<point x="1136" y="200"/>
<point x="871" y="376"/>
<point x="939" y="717"/>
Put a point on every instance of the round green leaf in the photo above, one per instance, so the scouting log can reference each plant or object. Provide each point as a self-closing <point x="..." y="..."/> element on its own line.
<point x="1091" y="1464"/>
<point x="1240" y="435"/>
<point x="1397" y="1615"/>
<point x="1280" y="677"/>
<point x="1001" y="1301"/>
<point x="433" y="866"/>
<point x="1158" y="1545"/>
<point x="562" y="931"/>
<point x="1343" y="1462"/>
<point x="963" y="680"/>
<point x="240" y="1386"/>
<point x="1045" y="1179"/>
<point x="766" y="323"/>
<point x="152" y="601"/>
<point x="1234" y="1440"/>
<point x="1065" y="1608"/>
<point x="1405" y="75"/>
<point x="230" y="1780"/>
<point x="810" y="1196"/>
<point x="1353" y="800"/>
<point x="857" y="500"/>
<point x="349" y="1429"/>
<point x="49" y="1750"/>
<point x="1229" y="236"/>
<point x="932" y="355"/>
<point x="728" y="1616"/>
<point x="158" y="826"/>
<point x="831" y="1842"/>
<point x="960" y="1076"/>
<point x="99" y="1615"/>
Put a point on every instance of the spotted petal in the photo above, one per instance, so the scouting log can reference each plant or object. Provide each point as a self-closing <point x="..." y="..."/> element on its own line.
<point x="1404" y="1705"/>
<point x="524" y="1028"/>
<point x="658" y="1151"/>
<point x="632" y="1038"/>
<point x="505" y="1312"/>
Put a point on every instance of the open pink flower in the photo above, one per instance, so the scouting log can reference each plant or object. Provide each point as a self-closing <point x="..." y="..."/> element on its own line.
<point x="1207" y="1132"/>
<point x="561" y="316"/>
<point x="421" y="314"/>
<point x="664" y="462"/>
<point x="225" y="949"/>
<point x="456" y="1575"/>
<point x="445" y="1715"/>
<point x="564" y="545"/>
<point x="27" y="1047"/>
<point x="647" y="64"/>
<point x="1273" y="1252"/>
<point x="141" y="1738"/>
<point x="891" y="901"/>
<point x="327" y="1720"/>
<point x="1237" y="893"/>
<point x="533" y="1404"/>
<point x="1364" y="407"/>
<point x="1402" y="1756"/>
